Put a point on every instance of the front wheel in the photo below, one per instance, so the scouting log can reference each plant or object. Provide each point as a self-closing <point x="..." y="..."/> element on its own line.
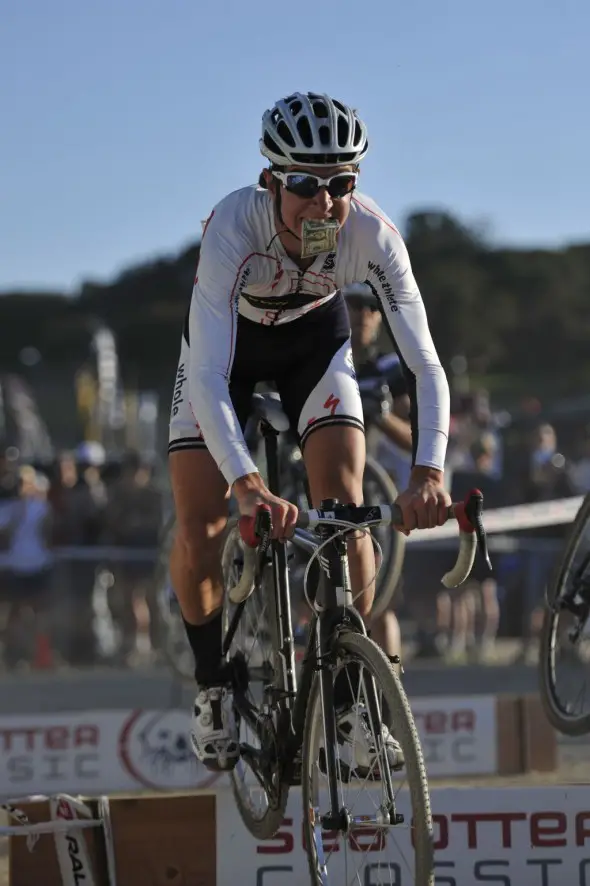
<point x="375" y="846"/>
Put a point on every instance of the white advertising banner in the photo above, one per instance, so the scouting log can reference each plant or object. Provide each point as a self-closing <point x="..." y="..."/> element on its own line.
<point x="104" y="751"/>
<point x="98" y="752"/>
<point x="501" y="836"/>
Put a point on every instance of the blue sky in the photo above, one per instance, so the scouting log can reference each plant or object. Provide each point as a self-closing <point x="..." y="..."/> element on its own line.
<point x="124" y="121"/>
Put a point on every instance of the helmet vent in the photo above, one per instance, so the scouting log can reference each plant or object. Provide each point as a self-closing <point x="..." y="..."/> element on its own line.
<point x="305" y="132"/>
<point x="320" y="110"/>
<point x="342" y="130"/>
<point x="285" y="133"/>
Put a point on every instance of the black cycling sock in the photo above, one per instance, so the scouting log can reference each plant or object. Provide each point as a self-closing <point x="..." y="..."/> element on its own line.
<point x="206" y="642"/>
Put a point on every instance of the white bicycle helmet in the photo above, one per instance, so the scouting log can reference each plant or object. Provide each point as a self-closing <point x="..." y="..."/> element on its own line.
<point x="309" y="129"/>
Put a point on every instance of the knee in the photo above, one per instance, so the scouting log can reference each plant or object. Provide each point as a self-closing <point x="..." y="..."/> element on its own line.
<point x="198" y="539"/>
<point x="335" y="459"/>
<point x="343" y="483"/>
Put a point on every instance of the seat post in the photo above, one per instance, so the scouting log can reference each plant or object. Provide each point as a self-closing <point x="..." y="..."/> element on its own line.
<point x="271" y="452"/>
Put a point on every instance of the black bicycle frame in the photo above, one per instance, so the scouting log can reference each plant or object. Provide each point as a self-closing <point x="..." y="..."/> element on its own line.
<point x="333" y="608"/>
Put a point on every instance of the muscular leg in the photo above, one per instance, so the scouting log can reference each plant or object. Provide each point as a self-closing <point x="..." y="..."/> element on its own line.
<point x="200" y="498"/>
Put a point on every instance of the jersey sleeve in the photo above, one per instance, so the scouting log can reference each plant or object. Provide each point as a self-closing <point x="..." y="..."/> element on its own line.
<point x="223" y="271"/>
<point x="389" y="275"/>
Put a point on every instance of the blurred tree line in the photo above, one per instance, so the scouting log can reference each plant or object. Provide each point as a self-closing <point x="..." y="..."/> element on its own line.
<point x="517" y="316"/>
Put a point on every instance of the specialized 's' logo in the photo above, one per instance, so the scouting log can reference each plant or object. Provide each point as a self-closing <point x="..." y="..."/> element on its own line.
<point x="329" y="263"/>
<point x="332" y="403"/>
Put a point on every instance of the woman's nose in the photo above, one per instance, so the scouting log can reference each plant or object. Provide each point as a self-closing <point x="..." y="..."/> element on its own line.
<point x="323" y="199"/>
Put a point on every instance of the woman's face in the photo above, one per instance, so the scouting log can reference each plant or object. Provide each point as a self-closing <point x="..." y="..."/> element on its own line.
<point x="295" y="210"/>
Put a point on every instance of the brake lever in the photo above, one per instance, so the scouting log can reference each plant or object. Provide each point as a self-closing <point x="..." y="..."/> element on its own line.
<point x="256" y="531"/>
<point x="263" y="526"/>
<point x="474" y="513"/>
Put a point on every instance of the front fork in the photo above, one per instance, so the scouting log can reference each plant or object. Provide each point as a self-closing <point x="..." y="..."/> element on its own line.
<point x="334" y="606"/>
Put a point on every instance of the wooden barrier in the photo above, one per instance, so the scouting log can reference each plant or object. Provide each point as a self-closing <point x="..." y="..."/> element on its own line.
<point x="165" y="840"/>
<point x="526" y="741"/>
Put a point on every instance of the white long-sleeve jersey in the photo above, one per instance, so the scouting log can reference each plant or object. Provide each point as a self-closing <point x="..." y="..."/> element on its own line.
<point x="243" y="269"/>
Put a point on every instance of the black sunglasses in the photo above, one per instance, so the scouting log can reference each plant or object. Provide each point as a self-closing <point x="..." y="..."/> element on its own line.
<point x="307" y="185"/>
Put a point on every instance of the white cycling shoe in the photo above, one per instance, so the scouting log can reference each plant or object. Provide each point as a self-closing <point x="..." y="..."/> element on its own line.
<point x="364" y="754"/>
<point x="214" y="732"/>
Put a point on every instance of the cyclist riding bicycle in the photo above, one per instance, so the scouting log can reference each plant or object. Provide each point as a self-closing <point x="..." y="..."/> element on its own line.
<point x="266" y="305"/>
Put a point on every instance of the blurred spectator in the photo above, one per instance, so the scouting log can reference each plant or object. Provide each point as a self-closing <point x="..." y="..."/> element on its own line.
<point x="475" y="437"/>
<point x="78" y="497"/>
<point x="479" y="471"/>
<point x="547" y="476"/>
<point x="459" y="608"/>
<point x="31" y="564"/>
<point x="488" y="426"/>
<point x="78" y="505"/>
<point x="471" y="613"/>
<point x="132" y="520"/>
